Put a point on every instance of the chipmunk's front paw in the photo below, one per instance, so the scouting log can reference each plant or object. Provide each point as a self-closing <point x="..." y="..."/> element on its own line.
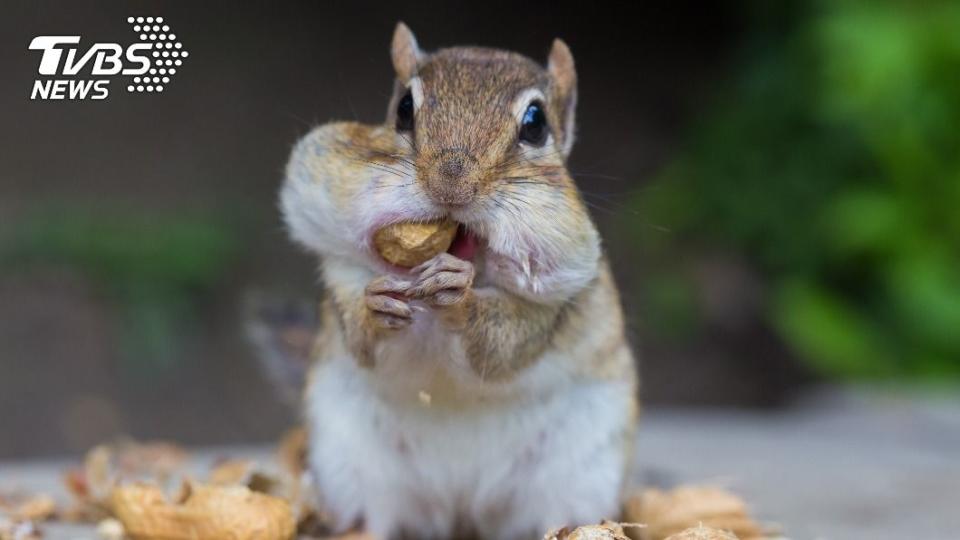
<point x="384" y="300"/>
<point x="444" y="280"/>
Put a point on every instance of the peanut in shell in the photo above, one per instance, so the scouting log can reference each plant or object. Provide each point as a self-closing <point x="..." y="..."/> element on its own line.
<point x="409" y="244"/>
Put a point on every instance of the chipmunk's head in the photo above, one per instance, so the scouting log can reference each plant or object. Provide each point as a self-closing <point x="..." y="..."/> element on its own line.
<point x="479" y="136"/>
<point x="471" y="114"/>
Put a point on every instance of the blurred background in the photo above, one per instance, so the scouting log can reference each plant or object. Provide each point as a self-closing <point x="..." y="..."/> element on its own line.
<point x="777" y="184"/>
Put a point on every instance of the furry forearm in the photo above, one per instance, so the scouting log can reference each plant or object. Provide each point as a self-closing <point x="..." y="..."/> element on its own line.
<point x="505" y="332"/>
<point x="358" y="333"/>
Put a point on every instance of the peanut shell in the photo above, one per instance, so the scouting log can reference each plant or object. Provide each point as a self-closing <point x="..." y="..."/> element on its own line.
<point x="208" y="513"/>
<point x="667" y="513"/>
<point x="702" y="533"/>
<point x="608" y="530"/>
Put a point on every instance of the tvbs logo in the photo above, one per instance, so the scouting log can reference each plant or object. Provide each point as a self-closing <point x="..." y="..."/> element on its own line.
<point x="68" y="71"/>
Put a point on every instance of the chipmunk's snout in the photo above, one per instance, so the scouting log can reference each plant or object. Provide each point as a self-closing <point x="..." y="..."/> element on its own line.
<point x="451" y="169"/>
<point x="451" y="178"/>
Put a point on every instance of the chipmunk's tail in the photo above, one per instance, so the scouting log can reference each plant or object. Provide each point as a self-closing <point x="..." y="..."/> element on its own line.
<point x="282" y="331"/>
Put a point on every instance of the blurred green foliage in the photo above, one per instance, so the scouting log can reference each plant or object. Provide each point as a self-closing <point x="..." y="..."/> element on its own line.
<point x="831" y="163"/>
<point x="154" y="267"/>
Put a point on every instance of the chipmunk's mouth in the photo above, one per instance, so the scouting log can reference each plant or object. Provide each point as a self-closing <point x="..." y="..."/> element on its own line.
<point x="465" y="244"/>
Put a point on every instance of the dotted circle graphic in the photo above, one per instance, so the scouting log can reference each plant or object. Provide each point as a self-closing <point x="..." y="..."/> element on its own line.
<point x="165" y="51"/>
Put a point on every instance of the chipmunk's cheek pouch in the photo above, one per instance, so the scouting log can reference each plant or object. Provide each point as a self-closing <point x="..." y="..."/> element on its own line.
<point x="543" y="270"/>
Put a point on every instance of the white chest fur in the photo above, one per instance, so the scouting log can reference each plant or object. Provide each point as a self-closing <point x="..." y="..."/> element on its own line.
<point x="507" y="468"/>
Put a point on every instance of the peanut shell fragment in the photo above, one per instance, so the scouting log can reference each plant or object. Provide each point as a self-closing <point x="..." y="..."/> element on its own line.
<point x="701" y="532"/>
<point x="667" y="513"/>
<point x="208" y="513"/>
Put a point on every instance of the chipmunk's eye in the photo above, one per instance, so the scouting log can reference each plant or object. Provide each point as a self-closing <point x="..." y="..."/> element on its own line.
<point x="533" y="125"/>
<point x="405" y="113"/>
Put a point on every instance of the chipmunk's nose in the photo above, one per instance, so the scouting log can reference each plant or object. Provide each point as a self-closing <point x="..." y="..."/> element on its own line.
<point x="452" y="179"/>
<point x="451" y="169"/>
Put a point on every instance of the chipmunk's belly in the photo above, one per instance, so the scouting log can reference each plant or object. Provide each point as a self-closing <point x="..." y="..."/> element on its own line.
<point x="506" y="470"/>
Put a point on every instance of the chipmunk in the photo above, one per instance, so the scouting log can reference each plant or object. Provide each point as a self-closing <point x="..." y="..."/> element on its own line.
<point x="515" y="336"/>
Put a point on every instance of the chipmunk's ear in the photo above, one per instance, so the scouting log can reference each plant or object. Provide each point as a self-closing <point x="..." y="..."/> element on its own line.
<point x="405" y="52"/>
<point x="563" y="82"/>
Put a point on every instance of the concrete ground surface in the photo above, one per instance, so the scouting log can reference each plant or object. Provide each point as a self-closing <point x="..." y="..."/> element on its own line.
<point x="850" y="466"/>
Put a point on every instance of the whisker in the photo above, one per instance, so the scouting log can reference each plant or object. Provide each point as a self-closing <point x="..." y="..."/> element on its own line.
<point x="599" y="208"/>
<point x="396" y="157"/>
<point x="520" y="181"/>
<point x="522" y="157"/>
<point x="580" y="174"/>
<point x="372" y="161"/>
<point x="613" y="208"/>
<point x="392" y="186"/>
<point x="346" y="95"/>
<point x="384" y="168"/>
<point x="303" y="121"/>
<point x="380" y="166"/>
<point x="615" y="204"/>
